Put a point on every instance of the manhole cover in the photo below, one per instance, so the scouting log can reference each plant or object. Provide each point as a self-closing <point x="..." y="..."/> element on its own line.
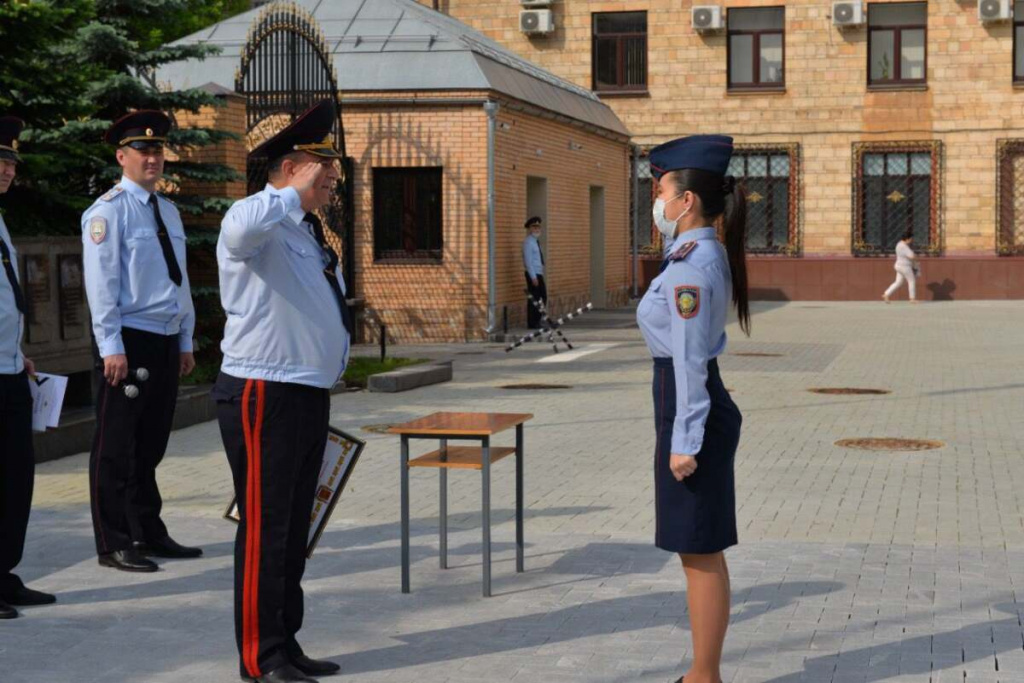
<point x="848" y="391"/>
<point x="757" y="354"/>
<point x="535" y="386"/>
<point x="377" y="429"/>
<point x="890" y="444"/>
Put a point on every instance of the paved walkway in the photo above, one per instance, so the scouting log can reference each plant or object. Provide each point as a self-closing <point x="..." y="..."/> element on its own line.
<point x="854" y="566"/>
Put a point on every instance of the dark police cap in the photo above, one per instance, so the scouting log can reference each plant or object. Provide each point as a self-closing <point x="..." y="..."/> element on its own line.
<point x="140" y="129"/>
<point x="310" y="132"/>
<point x="707" y="152"/>
<point x="10" y="129"/>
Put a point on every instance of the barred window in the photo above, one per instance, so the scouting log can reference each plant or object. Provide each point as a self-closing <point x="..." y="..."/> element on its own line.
<point x="646" y="241"/>
<point x="407" y="215"/>
<point x="1010" y="198"/>
<point x="897" y="43"/>
<point x="897" y="190"/>
<point x="769" y="175"/>
<point x="1018" y="41"/>
<point x="756" y="47"/>
<point x="620" y="51"/>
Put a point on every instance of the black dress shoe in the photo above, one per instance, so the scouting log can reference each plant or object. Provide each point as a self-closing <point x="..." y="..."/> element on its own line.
<point x="315" y="667"/>
<point x="26" y="597"/>
<point x="127" y="561"/>
<point x="285" y="674"/>
<point x="7" y="612"/>
<point x="168" y="548"/>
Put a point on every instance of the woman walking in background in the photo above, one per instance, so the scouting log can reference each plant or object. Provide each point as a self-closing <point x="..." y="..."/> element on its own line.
<point x="907" y="268"/>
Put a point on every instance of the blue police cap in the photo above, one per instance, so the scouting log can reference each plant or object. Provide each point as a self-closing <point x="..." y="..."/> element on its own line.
<point x="310" y="132"/>
<point x="707" y="152"/>
<point x="10" y="129"/>
<point x="140" y="129"/>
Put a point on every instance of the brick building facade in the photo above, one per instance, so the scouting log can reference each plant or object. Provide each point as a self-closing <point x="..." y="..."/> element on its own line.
<point x="842" y="152"/>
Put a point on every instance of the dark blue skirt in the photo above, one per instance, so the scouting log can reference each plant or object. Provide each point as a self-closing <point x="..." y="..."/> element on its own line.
<point x="698" y="514"/>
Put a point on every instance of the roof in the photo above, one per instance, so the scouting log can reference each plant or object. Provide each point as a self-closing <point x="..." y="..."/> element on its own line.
<point x="371" y="41"/>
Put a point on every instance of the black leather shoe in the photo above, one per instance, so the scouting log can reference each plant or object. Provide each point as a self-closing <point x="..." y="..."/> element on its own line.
<point x="168" y="548"/>
<point x="24" y="597"/>
<point x="7" y="612"/>
<point x="285" y="674"/>
<point x="315" y="667"/>
<point x="127" y="561"/>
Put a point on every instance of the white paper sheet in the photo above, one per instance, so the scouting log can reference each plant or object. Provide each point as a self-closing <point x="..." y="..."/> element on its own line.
<point x="47" y="399"/>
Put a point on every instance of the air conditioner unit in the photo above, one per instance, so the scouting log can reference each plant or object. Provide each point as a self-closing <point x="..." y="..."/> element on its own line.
<point x="994" y="10"/>
<point x="536" y="3"/>
<point x="847" y="14"/>
<point x="536" y="21"/>
<point x="707" y="18"/>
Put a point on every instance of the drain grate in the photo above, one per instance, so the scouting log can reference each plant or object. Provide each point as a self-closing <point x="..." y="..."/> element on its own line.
<point x="757" y="354"/>
<point x="848" y="391"/>
<point x="377" y="429"/>
<point x="888" y="444"/>
<point x="535" y="387"/>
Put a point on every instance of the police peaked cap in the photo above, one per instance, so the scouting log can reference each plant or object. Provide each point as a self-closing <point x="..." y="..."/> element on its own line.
<point x="140" y="129"/>
<point x="310" y="132"/>
<point x="10" y="129"/>
<point x="706" y="152"/>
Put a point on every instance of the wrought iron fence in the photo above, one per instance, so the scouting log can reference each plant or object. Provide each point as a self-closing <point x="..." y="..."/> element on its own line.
<point x="1010" y="197"/>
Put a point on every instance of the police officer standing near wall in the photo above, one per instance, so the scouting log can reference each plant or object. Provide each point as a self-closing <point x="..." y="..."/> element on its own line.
<point x="142" y="321"/>
<point x="682" y="318"/>
<point x="286" y="343"/>
<point x="533" y="264"/>
<point x="17" y="460"/>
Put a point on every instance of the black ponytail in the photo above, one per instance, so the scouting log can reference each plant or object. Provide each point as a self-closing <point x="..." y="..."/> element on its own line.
<point x="723" y="196"/>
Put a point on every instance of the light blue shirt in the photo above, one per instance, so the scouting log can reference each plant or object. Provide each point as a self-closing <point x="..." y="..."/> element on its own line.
<point x="12" y="322"/>
<point x="683" y="316"/>
<point x="532" y="261"/>
<point x="126" y="276"/>
<point x="283" y="322"/>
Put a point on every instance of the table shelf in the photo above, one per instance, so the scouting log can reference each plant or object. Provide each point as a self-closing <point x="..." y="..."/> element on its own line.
<point x="462" y="457"/>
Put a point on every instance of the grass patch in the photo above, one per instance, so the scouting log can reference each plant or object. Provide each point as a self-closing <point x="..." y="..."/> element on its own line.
<point x="361" y="367"/>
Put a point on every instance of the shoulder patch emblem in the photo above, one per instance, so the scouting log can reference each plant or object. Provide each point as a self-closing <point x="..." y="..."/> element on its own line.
<point x="98" y="229"/>
<point x="688" y="301"/>
<point x="116" y="190"/>
<point x="683" y="251"/>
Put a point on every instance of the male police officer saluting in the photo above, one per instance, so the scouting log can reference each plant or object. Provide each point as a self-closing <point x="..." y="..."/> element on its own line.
<point x="17" y="463"/>
<point x="285" y="345"/>
<point x="142" y="317"/>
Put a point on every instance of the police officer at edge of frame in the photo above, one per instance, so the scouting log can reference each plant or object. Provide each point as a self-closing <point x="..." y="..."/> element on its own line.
<point x="17" y="459"/>
<point x="142" y="317"/>
<point x="286" y="343"/>
<point x="533" y="264"/>
<point x="682" y="318"/>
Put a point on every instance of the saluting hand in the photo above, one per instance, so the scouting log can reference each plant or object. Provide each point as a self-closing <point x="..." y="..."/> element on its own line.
<point x="682" y="466"/>
<point x="307" y="176"/>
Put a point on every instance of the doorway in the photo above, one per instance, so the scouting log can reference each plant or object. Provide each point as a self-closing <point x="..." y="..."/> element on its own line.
<point x="597" y="288"/>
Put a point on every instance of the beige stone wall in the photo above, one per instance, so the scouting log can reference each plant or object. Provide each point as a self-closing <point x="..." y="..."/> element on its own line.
<point x="969" y="102"/>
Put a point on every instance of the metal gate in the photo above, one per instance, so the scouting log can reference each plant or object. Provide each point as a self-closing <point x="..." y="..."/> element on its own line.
<point x="286" y="68"/>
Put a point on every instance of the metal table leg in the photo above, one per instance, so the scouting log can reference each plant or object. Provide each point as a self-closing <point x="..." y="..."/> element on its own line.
<point x="443" y="530"/>
<point x="519" y="498"/>
<point x="486" y="524"/>
<point x="405" y="514"/>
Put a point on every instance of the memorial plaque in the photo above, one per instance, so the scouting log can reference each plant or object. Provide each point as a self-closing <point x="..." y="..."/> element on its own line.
<point x="35" y="269"/>
<point x="72" y="296"/>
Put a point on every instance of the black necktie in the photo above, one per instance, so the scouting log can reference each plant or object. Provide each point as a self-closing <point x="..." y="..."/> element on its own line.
<point x="330" y="270"/>
<point x="5" y="253"/>
<point x="173" y="269"/>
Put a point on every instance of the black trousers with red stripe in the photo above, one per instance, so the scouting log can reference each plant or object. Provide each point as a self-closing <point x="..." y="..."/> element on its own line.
<point x="17" y="474"/>
<point x="274" y="435"/>
<point x="130" y="441"/>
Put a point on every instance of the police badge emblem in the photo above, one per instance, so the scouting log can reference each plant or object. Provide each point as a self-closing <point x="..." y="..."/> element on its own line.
<point x="98" y="229"/>
<point x="688" y="301"/>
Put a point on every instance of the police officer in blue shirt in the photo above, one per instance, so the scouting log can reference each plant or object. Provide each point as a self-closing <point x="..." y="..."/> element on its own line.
<point x="682" y="318"/>
<point x="286" y="343"/>
<point x="533" y="263"/>
<point x="17" y="461"/>
<point x="142" y="319"/>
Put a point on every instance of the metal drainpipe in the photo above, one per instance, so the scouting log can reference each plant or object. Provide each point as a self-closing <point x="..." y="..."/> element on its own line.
<point x="491" y="108"/>
<point x="636" y="220"/>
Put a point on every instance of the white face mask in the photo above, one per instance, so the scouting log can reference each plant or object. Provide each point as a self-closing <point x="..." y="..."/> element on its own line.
<point x="665" y="226"/>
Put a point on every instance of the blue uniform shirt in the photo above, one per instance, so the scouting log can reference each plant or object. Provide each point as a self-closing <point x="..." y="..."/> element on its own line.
<point x="126" y="277"/>
<point x="283" y="322"/>
<point x="12" y="322"/>
<point x="532" y="260"/>
<point x="683" y="316"/>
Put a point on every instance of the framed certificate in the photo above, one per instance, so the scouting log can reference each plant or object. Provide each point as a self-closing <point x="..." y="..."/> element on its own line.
<point x="340" y="457"/>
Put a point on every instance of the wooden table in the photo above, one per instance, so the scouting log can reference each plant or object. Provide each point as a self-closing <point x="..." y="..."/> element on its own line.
<point x="447" y="427"/>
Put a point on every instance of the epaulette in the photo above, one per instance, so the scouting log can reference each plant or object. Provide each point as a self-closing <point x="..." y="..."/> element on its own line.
<point x="682" y="252"/>
<point x="114" y="191"/>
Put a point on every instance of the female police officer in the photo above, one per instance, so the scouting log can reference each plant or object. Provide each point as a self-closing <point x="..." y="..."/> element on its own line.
<point x="682" y="318"/>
